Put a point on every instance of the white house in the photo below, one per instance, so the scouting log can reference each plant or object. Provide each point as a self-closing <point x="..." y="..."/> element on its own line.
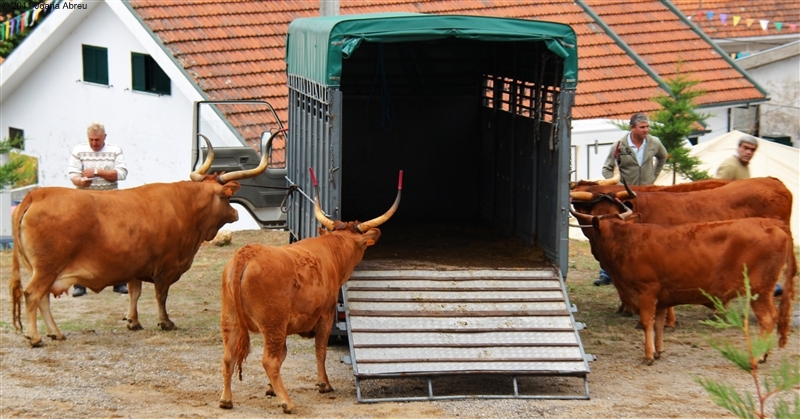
<point x="45" y="96"/>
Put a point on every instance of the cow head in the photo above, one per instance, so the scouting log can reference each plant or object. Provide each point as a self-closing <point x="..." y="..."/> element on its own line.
<point x="587" y="185"/>
<point x="223" y="186"/>
<point x="367" y="230"/>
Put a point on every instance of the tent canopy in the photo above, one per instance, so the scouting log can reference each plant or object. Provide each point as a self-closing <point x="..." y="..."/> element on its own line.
<point x="770" y="159"/>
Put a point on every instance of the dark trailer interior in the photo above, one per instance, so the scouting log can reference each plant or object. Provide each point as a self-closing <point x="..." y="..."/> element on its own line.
<point x="475" y="110"/>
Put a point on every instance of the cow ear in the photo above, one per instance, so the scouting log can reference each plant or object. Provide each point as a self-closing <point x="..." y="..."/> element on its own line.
<point x="230" y="188"/>
<point x="371" y="236"/>
<point x="322" y="231"/>
<point x="596" y="223"/>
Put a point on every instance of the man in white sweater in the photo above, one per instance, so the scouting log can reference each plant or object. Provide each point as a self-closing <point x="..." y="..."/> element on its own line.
<point x="97" y="165"/>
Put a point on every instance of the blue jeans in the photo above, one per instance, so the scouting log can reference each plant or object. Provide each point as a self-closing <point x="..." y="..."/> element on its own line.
<point x="604" y="274"/>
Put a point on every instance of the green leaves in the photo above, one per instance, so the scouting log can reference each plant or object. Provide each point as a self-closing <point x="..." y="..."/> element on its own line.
<point x="677" y="119"/>
<point x="777" y="382"/>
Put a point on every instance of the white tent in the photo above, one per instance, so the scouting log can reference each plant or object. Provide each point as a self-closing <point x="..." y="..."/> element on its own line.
<point x="770" y="159"/>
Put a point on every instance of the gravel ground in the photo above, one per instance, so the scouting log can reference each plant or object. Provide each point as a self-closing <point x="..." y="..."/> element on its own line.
<point x="104" y="371"/>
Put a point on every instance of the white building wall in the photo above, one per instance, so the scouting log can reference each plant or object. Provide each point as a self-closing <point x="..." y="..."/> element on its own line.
<point x="781" y="115"/>
<point x="154" y="131"/>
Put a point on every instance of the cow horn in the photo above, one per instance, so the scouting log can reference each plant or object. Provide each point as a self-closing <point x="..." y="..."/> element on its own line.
<point x="365" y="226"/>
<point x="581" y="196"/>
<point x="321" y="217"/>
<point x="608" y="182"/>
<point x="631" y="194"/>
<point x="247" y="174"/>
<point x="628" y="212"/>
<point x="198" y="174"/>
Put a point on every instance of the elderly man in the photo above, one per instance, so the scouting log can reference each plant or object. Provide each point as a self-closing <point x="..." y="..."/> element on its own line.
<point x="737" y="166"/>
<point x="639" y="157"/>
<point x="97" y="165"/>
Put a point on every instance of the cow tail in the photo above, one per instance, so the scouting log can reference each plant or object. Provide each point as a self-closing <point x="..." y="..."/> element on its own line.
<point x="236" y="275"/>
<point x="785" y="310"/>
<point x="15" y="286"/>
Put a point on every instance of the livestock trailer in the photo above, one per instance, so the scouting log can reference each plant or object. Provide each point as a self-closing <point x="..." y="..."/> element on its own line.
<point x="467" y="278"/>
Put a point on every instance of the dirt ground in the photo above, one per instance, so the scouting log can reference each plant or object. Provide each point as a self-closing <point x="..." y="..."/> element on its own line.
<point x="102" y="370"/>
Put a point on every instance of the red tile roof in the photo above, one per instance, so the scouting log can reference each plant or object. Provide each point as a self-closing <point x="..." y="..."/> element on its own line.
<point x="234" y="49"/>
<point x="664" y="42"/>
<point x="742" y="18"/>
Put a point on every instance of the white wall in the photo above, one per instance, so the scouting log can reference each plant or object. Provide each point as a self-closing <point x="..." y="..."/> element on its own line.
<point x="54" y="107"/>
<point x="781" y="115"/>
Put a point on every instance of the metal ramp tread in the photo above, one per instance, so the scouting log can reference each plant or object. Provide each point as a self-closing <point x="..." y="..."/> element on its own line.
<point x="429" y="324"/>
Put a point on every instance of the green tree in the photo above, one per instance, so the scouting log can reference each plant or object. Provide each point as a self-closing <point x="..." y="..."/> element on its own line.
<point x="675" y="121"/>
<point x="11" y="9"/>
<point x="777" y="388"/>
<point x="19" y="170"/>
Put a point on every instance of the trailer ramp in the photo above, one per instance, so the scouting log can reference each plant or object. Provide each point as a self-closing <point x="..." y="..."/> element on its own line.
<point x="480" y="325"/>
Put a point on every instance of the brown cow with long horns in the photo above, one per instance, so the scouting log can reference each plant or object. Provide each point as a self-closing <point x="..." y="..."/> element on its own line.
<point x="101" y="238"/>
<point x="287" y="290"/>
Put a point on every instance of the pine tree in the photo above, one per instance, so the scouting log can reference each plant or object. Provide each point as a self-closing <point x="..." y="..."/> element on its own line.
<point x="675" y="121"/>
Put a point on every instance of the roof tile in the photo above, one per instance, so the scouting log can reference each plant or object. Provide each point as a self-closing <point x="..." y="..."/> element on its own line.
<point x="234" y="49"/>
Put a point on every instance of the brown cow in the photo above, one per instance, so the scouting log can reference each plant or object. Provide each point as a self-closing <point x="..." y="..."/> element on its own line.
<point x="660" y="266"/>
<point x="612" y="186"/>
<point x="292" y="289"/>
<point x="755" y="197"/>
<point x="102" y="238"/>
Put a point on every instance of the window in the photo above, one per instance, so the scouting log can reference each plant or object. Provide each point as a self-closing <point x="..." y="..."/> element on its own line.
<point x="95" y="64"/>
<point x="148" y="76"/>
<point x="16" y="138"/>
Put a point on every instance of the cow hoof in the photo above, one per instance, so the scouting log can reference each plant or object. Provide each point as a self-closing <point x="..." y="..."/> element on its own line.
<point x="56" y="337"/>
<point x="36" y="343"/>
<point x="270" y="390"/>
<point x="287" y="407"/>
<point x="167" y="325"/>
<point x="226" y="404"/>
<point x="134" y="327"/>
<point x="324" y="387"/>
<point x="649" y="361"/>
<point x="657" y="355"/>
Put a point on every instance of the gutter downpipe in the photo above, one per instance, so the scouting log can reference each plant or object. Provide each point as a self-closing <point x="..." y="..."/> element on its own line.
<point x="328" y="7"/>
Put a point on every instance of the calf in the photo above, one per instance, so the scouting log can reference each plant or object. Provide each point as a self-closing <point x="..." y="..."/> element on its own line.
<point x="656" y="267"/>
<point x="292" y="289"/>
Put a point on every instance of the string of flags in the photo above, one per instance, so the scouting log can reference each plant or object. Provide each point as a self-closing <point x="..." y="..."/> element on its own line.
<point x="736" y="19"/>
<point x="12" y="26"/>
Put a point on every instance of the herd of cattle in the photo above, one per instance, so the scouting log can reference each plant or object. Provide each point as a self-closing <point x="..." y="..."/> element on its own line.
<point x="663" y="246"/>
<point x="688" y="239"/>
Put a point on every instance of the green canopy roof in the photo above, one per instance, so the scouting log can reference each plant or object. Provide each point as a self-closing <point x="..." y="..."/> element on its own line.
<point x="316" y="46"/>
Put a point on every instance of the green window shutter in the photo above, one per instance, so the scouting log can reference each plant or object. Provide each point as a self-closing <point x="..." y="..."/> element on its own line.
<point x="95" y="64"/>
<point x="89" y="73"/>
<point x="138" y="72"/>
<point x="162" y="81"/>
<point x="101" y="61"/>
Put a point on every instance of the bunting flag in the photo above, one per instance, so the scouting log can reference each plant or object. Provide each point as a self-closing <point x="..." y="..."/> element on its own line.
<point x="778" y="26"/>
<point x="710" y="15"/>
<point x="793" y="26"/>
<point x="723" y="17"/>
<point x="764" y="23"/>
<point x="750" y="22"/>
<point x="736" y="20"/>
<point x="18" y="24"/>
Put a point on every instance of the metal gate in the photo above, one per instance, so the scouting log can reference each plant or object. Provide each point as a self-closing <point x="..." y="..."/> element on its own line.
<point x="468" y="323"/>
